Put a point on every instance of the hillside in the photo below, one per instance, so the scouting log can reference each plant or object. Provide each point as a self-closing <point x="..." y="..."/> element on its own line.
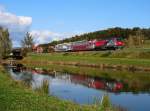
<point x="125" y="33"/>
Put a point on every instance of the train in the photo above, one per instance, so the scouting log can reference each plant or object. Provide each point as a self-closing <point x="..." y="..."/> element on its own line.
<point x="85" y="45"/>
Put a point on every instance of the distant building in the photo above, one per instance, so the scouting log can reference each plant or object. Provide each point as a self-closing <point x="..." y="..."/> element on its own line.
<point x="17" y="53"/>
<point x="37" y="49"/>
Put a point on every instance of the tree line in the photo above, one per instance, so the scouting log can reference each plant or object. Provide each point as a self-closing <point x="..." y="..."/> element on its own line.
<point x="108" y="33"/>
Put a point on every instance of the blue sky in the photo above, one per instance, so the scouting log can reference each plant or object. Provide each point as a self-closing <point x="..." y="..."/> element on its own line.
<point x="70" y="17"/>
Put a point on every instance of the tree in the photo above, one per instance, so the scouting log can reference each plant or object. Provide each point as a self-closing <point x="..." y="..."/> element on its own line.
<point x="136" y="40"/>
<point x="140" y="37"/>
<point x="5" y="43"/>
<point x="28" y="42"/>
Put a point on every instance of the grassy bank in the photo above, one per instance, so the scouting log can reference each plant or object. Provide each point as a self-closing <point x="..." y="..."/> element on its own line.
<point x="138" y="58"/>
<point x="14" y="96"/>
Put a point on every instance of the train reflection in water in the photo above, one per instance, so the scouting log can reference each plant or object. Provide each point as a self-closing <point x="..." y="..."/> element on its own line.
<point x="110" y="85"/>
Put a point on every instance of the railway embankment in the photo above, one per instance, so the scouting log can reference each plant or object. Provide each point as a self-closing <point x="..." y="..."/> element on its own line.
<point x="119" y="60"/>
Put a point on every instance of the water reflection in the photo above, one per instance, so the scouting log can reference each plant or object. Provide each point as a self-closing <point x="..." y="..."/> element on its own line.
<point x="83" y="89"/>
<point x="36" y="76"/>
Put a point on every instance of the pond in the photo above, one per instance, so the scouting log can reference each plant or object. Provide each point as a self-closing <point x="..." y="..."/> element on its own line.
<point x="134" y="94"/>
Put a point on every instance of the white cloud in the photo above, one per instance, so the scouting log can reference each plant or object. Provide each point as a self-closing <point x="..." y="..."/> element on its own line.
<point x="45" y="36"/>
<point x="8" y="18"/>
<point x="17" y="25"/>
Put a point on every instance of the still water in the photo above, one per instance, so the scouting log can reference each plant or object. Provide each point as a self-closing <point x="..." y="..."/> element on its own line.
<point x="85" y="89"/>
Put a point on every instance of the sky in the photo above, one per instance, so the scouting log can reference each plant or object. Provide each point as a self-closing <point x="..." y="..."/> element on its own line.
<point x="49" y="20"/>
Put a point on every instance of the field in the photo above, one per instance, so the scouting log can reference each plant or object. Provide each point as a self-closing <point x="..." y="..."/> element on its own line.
<point x="139" y="57"/>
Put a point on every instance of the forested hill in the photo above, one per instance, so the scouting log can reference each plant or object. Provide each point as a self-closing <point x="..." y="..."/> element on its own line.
<point x="111" y="32"/>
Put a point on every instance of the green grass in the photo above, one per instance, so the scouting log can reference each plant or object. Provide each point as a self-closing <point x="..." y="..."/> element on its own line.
<point x="123" y="57"/>
<point x="14" y="96"/>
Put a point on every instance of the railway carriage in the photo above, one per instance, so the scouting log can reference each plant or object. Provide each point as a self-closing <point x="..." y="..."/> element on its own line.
<point x="82" y="45"/>
<point x="63" y="47"/>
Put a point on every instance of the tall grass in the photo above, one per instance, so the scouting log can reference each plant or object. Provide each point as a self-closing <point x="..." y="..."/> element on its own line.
<point x="44" y="89"/>
<point x="105" y="103"/>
